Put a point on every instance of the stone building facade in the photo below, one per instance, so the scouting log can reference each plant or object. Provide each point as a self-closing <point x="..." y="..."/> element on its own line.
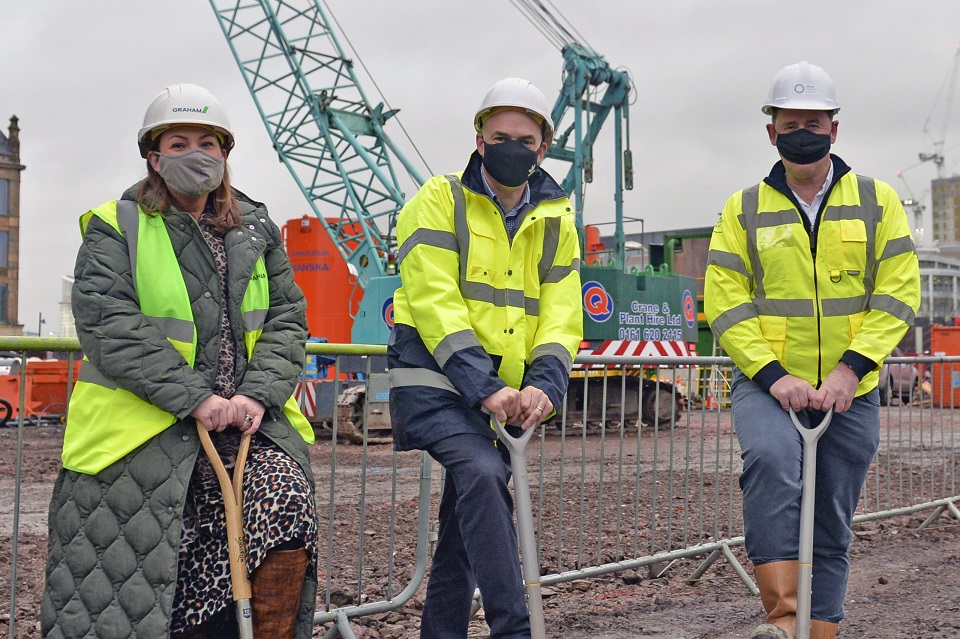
<point x="10" y="170"/>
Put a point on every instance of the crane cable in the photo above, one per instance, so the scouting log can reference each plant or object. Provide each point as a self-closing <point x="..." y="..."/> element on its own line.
<point x="543" y="15"/>
<point x="376" y="86"/>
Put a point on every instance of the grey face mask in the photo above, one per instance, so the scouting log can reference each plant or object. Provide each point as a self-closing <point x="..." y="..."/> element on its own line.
<point x="194" y="173"/>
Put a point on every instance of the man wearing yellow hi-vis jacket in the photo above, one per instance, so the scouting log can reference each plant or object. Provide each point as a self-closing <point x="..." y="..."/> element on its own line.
<point x="487" y="321"/>
<point x="812" y="280"/>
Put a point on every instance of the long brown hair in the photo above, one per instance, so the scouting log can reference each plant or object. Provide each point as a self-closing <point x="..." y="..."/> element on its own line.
<point x="154" y="198"/>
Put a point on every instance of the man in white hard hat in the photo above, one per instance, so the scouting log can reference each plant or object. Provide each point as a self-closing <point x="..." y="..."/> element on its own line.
<point x="812" y="280"/>
<point x="487" y="321"/>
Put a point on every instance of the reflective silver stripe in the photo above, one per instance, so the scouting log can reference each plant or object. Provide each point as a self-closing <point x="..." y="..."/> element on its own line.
<point x="128" y="218"/>
<point x="839" y="306"/>
<point x="734" y="316"/>
<point x="898" y="246"/>
<point x="558" y="272"/>
<point x="173" y="328"/>
<point x="785" y="308"/>
<point x="843" y="212"/>
<point x="556" y="350"/>
<point x="551" y="244"/>
<point x="893" y="306"/>
<point x="769" y="219"/>
<point x="480" y="292"/>
<point x="460" y="227"/>
<point x="254" y="320"/>
<point x="871" y="213"/>
<point x="750" y="211"/>
<point x="453" y="343"/>
<point x="91" y="375"/>
<point x="729" y="261"/>
<point x="401" y="377"/>
<point x="428" y="237"/>
<point x="531" y="306"/>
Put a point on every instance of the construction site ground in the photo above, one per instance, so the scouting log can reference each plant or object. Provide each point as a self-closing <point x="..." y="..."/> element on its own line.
<point x="904" y="581"/>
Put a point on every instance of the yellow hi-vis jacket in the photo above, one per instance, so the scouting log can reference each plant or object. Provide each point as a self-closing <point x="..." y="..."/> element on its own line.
<point x="784" y="298"/>
<point x="466" y="284"/>
<point x="479" y="310"/>
<point x="107" y="422"/>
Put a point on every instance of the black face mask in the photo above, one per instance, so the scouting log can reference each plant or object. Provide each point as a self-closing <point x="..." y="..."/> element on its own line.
<point x="510" y="163"/>
<point x="803" y="146"/>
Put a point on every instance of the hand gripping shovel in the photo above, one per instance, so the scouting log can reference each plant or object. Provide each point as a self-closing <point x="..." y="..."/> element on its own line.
<point x="233" y="507"/>
<point x="808" y="477"/>
<point x="525" y="530"/>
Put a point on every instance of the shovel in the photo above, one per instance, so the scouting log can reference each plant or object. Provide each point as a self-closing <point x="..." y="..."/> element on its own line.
<point x="233" y="508"/>
<point x="808" y="477"/>
<point x="528" y="542"/>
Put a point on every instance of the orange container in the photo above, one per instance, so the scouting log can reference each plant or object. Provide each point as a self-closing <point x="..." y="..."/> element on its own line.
<point x="945" y="342"/>
<point x="321" y="272"/>
<point x="45" y="394"/>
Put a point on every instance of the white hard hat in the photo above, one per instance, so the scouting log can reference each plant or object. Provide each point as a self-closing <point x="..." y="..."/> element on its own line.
<point x="183" y="104"/>
<point x="801" y="86"/>
<point x="518" y="94"/>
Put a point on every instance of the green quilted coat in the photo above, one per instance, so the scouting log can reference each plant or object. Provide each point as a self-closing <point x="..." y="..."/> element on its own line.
<point x="114" y="537"/>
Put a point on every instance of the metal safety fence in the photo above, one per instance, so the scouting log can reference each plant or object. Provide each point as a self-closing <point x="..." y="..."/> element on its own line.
<point x="639" y="469"/>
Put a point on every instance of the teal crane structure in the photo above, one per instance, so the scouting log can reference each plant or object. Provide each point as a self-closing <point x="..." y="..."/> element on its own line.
<point x="331" y="137"/>
<point x="323" y="126"/>
<point x="585" y="74"/>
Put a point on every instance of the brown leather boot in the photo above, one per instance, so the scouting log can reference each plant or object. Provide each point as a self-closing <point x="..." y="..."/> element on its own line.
<point x="275" y="593"/>
<point x="777" y="582"/>
<point x="823" y="629"/>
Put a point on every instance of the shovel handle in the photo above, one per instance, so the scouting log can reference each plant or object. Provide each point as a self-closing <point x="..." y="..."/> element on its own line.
<point x="233" y="510"/>
<point x="808" y="480"/>
<point x="525" y="529"/>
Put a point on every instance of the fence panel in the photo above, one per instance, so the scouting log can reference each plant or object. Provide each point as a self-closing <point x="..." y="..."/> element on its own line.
<point x="639" y="468"/>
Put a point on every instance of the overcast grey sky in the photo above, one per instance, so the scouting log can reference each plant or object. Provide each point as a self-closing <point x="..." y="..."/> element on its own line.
<point x="80" y="75"/>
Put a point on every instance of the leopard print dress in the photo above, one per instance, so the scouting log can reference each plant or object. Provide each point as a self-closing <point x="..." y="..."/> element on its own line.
<point x="277" y="504"/>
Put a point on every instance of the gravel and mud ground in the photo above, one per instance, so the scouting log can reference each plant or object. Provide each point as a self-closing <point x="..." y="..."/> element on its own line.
<point x="904" y="583"/>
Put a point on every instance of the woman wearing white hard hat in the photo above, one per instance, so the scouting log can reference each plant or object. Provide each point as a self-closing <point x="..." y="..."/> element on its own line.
<point x="189" y="318"/>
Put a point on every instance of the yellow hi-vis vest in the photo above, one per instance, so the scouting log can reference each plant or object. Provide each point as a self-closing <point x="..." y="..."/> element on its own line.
<point x="106" y="422"/>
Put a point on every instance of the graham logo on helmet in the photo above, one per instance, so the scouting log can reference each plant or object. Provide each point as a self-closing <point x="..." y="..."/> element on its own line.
<point x="189" y="109"/>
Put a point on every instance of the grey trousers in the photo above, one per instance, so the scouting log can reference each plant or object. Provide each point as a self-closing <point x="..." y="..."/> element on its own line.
<point x="772" y="453"/>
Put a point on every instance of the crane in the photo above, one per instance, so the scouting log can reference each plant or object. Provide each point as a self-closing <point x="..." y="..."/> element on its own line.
<point x="331" y="137"/>
<point x="937" y="156"/>
<point x="324" y="128"/>
<point x="585" y="74"/>
<point x="915" y="204"/>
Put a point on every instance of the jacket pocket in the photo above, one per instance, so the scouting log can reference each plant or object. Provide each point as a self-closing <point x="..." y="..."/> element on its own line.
<point x="774" y="332"/>
<point x="853" y="246"/>
<point x="482" y="256"/>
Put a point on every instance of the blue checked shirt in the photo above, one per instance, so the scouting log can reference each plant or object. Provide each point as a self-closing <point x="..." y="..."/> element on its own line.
<point x="514" y="216"/>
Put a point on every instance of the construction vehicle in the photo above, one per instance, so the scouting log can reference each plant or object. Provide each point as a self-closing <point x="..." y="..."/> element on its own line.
<point x="331" y="138"/>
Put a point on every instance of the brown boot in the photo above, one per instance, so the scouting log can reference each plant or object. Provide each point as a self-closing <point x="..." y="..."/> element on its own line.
<point x="777" y="582"/>
<point x="275" y="588"/>
<point x="823" y="629"/>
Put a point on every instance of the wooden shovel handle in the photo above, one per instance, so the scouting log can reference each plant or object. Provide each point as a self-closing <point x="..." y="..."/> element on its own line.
<point x="233" y="508"/>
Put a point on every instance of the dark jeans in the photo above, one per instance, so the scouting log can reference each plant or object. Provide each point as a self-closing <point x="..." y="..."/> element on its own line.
<point x="772" y="453"/>
<point x="476" y="544"/>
